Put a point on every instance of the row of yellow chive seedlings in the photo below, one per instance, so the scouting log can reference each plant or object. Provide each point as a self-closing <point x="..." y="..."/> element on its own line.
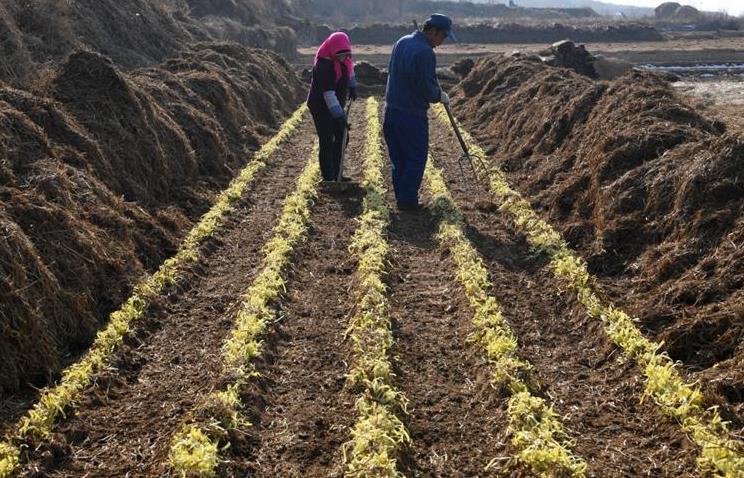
<point x="537" y="433"/>
<point x="378" y="436"/>
<point x="195" y="448"/>
<point x="56" y="400"/>
<point x="720" y="455"/>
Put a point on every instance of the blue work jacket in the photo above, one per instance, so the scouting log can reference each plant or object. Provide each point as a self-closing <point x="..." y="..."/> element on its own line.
<point x="412" y="79"/>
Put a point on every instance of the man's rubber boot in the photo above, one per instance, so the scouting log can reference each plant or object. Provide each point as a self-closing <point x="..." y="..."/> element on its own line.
<point x="409" y="207"/>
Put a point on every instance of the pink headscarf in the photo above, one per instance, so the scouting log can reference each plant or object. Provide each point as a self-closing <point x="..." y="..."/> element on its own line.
<point x="335" y="43"/>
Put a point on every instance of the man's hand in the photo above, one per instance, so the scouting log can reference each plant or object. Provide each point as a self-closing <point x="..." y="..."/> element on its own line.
<point x="444" y="99"/>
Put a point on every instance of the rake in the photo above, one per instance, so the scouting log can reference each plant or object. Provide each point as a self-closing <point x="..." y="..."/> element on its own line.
<point x="467" y="157"/>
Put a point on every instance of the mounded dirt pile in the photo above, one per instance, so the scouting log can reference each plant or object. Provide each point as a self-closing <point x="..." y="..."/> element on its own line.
<point x="102" y="174"/>
<point x="566" y="54"/>
<point x="648" y="190"/>
<point x="258" y="23"/>
<point x="371" y="80"/>
<point x="133" y="33"/>
<point x="280" y="39"/>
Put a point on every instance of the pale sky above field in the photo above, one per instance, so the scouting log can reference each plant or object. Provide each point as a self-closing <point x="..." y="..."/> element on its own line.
<point x="733" y="7"/>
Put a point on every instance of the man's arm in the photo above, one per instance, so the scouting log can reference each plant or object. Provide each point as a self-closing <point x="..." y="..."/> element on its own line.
<point x="426" y="72"/>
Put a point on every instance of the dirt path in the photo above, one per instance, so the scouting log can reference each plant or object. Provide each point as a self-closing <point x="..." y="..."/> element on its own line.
<point x="598" y="395"/>
<point x="307" y="413"/>
<point x="454" y="419"/>
<point x="125" y="423"/>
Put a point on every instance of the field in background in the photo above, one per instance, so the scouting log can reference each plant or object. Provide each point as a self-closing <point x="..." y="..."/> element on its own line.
<point x="719" y="92"/>
<point x="679" y="51"/>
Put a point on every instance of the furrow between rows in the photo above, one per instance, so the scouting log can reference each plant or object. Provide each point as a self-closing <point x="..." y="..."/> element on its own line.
<point x="195" y="449"/>
<point x="720" y="455"/>
<point x="537" y="432"/>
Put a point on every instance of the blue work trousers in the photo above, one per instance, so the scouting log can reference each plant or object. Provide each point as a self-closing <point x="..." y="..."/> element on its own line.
<point x="407" y="138"/>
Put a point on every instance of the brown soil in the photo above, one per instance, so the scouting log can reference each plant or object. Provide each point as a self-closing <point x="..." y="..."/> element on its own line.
<point x="301" y="410"/>
<point x="77" y="156"/>
<point x="455" y="420"/>
<point x="305" y="411"/>
<point x="643" y="186"/>
<point x="126" y="421"/>
<point x="580" y="372"/>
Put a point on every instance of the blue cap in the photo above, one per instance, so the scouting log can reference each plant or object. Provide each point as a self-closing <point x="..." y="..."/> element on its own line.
<point x="442" y="22"/>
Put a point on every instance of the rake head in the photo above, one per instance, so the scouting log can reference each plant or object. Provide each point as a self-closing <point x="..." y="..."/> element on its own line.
<point x="474" y="162"/>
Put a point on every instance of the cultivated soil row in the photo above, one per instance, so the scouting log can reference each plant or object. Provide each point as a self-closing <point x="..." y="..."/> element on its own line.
<point x="300" y="407"/>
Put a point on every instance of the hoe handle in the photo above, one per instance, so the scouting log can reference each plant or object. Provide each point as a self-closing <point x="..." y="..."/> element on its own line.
<point x="451" y="117"/>
<point x="343" y="144"/>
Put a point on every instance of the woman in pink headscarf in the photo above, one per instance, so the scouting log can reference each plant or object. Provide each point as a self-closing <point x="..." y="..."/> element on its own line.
<point x="333" y="80"/>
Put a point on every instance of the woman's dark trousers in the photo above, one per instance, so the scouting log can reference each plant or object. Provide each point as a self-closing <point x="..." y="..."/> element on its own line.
<point x="330" y="134"/>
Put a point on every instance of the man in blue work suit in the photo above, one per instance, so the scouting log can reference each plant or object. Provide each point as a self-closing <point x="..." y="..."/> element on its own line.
<point x="412" y="85"/>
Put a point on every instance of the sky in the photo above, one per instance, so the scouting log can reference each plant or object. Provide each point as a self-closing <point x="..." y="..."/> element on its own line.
<point x="733" y="7"/>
